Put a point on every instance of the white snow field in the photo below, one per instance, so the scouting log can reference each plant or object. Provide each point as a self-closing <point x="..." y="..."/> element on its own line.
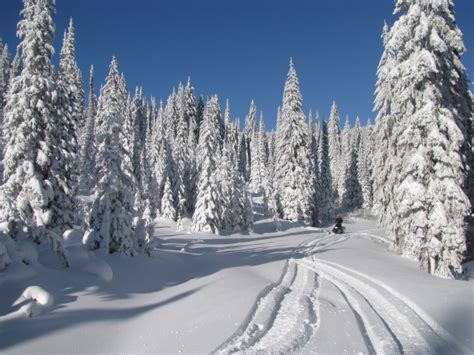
<point x="299" y="290"/>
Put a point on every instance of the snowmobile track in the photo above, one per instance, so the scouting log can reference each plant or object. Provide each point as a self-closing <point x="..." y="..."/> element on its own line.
<point x="286" y="316"/>
<point x="389" y="330"/>
<point x="422" y="320"/>
<point x="283" y="319"/>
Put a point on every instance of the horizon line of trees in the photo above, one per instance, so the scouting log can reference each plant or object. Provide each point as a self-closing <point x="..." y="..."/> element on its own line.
<point x="185" y="158"/>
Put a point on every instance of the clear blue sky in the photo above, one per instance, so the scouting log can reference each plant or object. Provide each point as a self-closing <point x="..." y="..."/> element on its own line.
<point x="238" y="49"/>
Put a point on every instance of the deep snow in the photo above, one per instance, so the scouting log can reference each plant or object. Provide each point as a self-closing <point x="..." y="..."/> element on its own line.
<point x="298" y="289"/>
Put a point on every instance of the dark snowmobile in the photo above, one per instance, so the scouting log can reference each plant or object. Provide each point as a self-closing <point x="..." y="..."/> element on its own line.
<point x="338" y="227"/>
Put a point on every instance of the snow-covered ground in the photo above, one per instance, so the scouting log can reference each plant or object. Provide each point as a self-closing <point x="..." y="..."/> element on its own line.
<point x="300" y="289"/>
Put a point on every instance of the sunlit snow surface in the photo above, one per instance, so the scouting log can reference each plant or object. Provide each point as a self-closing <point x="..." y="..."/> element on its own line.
<point x="300" y="289"/>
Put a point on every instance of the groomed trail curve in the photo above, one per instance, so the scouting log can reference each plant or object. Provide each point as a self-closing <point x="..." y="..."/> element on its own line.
<point x="316" y="300"/>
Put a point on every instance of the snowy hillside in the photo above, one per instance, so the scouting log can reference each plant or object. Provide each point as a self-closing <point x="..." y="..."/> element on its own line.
<point x="298" y="289"/>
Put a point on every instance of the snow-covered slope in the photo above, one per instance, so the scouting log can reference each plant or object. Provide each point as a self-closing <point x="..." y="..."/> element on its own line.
<point x="298" y="289"/>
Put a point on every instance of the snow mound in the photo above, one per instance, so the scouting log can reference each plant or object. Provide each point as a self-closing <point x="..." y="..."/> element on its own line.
<point x="19" y="252"/>
<point x="101" y="269"/>
<point x="39" y="299"/>
<point x="85" y="260"/>
<point x="72" y="236"/>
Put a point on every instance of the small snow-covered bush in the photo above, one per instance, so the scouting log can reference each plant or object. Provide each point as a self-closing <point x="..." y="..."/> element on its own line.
<point x="40" y="301"/>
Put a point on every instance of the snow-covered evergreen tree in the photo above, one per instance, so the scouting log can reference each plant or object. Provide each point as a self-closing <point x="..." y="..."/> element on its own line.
<point x="234" y="141"/>
<point x="425" y="110"/>
<point x="250" y="134"/>
<point x="226" y="185"/>
<point x="326" y="192"/>
<point x="168" y="209"/>
<point x="112" y="213"/>
<point x="149" y="161"/>
<point x="293" y="182"/>
<point x="314" y="170"/>
<point x="152" y="112"/>
<point x="88" y="177"/>
<point x="236" y="211"/>
<point x="180" y="103"/>
<point x="34" y="195"/>
<point x="274" y="153"/>
<point x="343" y="162"/>
<point x="70" y="81"/>
<point x="190" y="114"/>
<point x="70" y="76"/>
<point x="5" y="74"/>
<point x="243" y="156"/>
<point x="193" y="132"/>
<point x="258" y="169"/>
<point x="351" y="190"/>
<point x="334" y="141"/>
<point x="138" y="121"/>
<point x="364" y="165"/>
<point x="241" y="204"/>
<point x="317" y="129"/>
<point x="160" y="154"/>
<point x="352" y="193"/>
<point x="207" y="213"/>
<point x="262" y="153"/>
<point x="148" y="183"/>
<point x="5" y="71"/>
<point x="199" y="115"/>
<point x="382" y="162"/>
<point x="227" y="120"/>
<point x="168" y="169"/>
<point x="250" y="128"/>
<point x="356" y="132"/>
<point x="181" y="157"/>
<point x="189" y="103"/>
<point x="17" y="64"/>
<point x="271" y="137"/>
<point x="346" y="136"/>
<point x="171" y="117"/>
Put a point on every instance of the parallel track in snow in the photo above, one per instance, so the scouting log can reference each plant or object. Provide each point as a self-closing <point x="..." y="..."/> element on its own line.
<point x="286" y="317"/>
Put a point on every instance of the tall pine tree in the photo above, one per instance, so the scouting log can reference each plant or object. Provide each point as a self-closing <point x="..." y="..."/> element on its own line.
<point x="208" y="211"/>
<point x="88" y="178"/>
<point x="334" y="141"/>
<point x="364" y="165"/>
<point x="426" y="112"/>
<point x="70" y="82"/>
<point x="258" y="172"/>
<point x="293" y="183"/>
<point x="111" y="216"/>
<point x="33" y="196"/>
<point x="326" y="192"/>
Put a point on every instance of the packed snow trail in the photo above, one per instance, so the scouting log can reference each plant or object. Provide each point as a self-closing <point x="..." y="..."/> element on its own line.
<point x="377" y="319"/>
<point x="284" y="318"/>
<point x="412" y="329"/>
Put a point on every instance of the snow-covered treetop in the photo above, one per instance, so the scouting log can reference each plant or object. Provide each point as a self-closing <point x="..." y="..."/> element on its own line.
<point x="437" y="5"/>
<point x="251" y="120"/>
<point x="68" y="51"/>
<point x="347" y="124"/>
<point x="292" y="98"/>
<point x="37" y="22"/>
<point x="334" y="116"/>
